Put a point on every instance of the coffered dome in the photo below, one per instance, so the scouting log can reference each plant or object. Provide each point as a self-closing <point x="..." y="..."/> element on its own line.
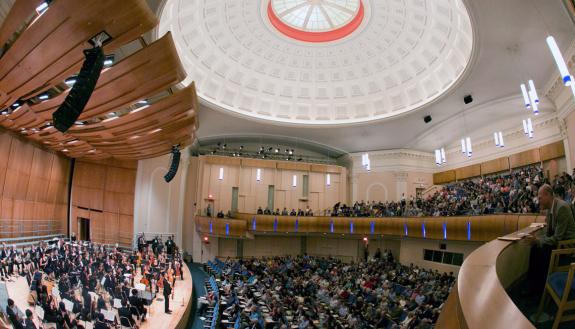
<point x="256" y="58"/>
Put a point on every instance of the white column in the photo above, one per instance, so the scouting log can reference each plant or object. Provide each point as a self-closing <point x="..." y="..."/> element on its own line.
<point x="400" y="184"/>
<point x="185" y="163"/>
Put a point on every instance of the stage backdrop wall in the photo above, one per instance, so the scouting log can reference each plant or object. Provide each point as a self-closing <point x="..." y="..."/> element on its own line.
<point x="103" y="194"/>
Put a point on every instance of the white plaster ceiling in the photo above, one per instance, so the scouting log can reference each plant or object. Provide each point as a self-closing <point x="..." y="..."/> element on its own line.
<point x="404" y="55"/>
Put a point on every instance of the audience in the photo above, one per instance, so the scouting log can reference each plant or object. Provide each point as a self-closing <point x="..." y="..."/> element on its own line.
<point x="514" y="192"/>
<point x="284" y="292"/>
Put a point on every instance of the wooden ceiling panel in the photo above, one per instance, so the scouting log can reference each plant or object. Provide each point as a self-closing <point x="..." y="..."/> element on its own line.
<point x="50" y="49"/>
<point x="133" y="132"/>
<point x="21" y="10"/>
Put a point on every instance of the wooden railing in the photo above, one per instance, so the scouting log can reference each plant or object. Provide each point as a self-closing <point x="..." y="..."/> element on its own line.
<point x="479" y="298"/>
<point x="462" y="228"/>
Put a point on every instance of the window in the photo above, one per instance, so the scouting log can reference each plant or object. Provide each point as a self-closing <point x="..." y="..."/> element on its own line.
<point x="444" y="257"/>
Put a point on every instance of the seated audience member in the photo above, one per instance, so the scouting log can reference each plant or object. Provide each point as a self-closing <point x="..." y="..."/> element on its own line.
<point x="285" y="212"/>
<point x="260" y="211"/>
<point x="267" y="211"/>
<point x="560" y="226"/>
<point x="300" y="212"/>
<point x="277" y="212"/>
<point x="220" y="214"/>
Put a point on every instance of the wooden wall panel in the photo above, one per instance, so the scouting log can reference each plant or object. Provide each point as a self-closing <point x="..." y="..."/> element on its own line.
<point x="494" y="166"/>
<point x="552" y="151"/>
<point x="258" y="163"/>
<point x="33" y="189"/>
<point x="468" y="172"/>
<point x="108" y="188"/>
<point x="444" y="177"/>
<point x="293" y="166"/>
<point x="524" y="158"/>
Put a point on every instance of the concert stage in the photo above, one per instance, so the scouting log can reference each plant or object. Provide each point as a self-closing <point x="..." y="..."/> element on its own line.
<point x="180" y="305"/>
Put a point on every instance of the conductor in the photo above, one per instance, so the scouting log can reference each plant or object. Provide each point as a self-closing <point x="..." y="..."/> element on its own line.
<point x="167" y="293"/>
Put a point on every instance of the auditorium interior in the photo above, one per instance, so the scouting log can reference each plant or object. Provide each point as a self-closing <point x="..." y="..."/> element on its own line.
<point x="271" y="164"/>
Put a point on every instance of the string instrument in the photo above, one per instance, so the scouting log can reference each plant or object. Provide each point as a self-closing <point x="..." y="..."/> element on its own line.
<point x="178" y="270"/>
<point x="160" y="282"/>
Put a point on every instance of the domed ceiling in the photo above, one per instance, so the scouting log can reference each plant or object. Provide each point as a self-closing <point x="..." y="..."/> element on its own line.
<point x="320" y="62"/>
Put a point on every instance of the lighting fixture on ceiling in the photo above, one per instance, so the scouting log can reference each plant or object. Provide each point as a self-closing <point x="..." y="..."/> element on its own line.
<point x="440" y="156"/>
<point x="365" y="161"/>
<point x="498" y="136"/>
<point x="43" y="97"/>
<point x="258" y="174"/>
<point x="525" y="96"/>
<point x="560" y="61"/>
<point x="466" y="146"/>
<point x="328" y="179"/>
<point x="109" y="60"/>
<point x="528" y="127"/>
<point x="42" y="7"/>
<point x="70" y="81"/>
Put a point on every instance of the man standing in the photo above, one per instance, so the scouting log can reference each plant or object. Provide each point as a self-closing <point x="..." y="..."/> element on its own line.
<point x="560" y="226"/>
<point x="167" y="293"/>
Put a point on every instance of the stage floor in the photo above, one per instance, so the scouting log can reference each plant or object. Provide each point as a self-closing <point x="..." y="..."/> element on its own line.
<point x="180" y="305"/>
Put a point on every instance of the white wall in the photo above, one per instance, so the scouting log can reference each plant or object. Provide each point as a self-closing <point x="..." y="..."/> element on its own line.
<point x="411" y="252"/>
<point x="159" y="206"/>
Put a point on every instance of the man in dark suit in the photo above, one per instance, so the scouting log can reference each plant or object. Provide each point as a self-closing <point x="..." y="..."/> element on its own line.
<point x="137" y="302"/>
<point x="29" y="323"/>
<point x="560" y="226"/>
<point x="167" y="293"/>
<point x="12" y="313"/>
<point x="101" y="322"/>
<point x="125" y="315"/>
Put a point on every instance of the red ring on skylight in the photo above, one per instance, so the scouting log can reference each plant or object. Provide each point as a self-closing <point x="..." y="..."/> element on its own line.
<point x="307" y="36"/>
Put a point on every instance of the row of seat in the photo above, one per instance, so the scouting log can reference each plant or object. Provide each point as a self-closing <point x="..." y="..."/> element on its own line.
<point x="212" y="314"/>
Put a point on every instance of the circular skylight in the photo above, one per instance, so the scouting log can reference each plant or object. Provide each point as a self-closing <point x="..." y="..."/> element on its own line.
<point x="316" y="20"/>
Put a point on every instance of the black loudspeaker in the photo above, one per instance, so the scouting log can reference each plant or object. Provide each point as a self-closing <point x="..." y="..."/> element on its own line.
<point x="174" y="165"/>
<point x="467" y="99"/>
<point x="427" y="118"/>
<point x="78" y="97"/>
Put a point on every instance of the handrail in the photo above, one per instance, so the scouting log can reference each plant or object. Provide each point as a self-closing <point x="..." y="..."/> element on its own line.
<point x="479" y="297"/>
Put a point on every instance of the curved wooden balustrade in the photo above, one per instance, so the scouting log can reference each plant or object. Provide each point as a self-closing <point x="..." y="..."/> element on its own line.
<point x="479" y="300"/>
<point x="464" y="228"/>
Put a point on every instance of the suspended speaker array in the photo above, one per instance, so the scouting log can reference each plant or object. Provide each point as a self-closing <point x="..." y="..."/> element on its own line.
<point x="174" y="165"/>
<point x="78" y="97"/>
